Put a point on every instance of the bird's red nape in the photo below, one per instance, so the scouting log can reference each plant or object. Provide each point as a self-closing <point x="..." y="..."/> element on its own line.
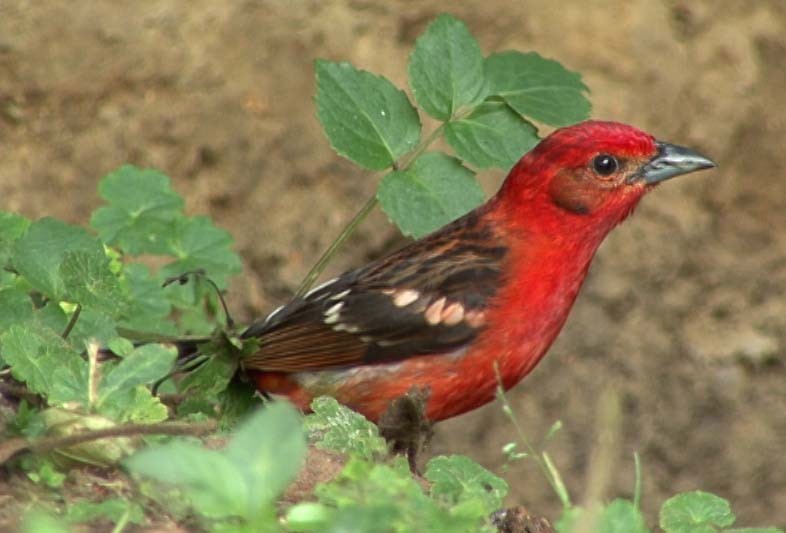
<point x="490" y="290"/>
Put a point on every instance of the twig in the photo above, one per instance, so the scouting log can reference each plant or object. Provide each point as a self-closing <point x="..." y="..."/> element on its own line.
<point x="18" y="391"/>
<point x="12" y="447"/>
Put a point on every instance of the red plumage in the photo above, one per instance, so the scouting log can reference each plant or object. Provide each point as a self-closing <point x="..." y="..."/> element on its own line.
<point x="493" y="288"/>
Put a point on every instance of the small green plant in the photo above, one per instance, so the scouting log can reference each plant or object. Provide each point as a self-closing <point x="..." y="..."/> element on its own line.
<point x="81" y="314"/>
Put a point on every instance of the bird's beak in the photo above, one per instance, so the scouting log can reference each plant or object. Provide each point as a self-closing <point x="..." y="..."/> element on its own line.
<point x="670" y="161"/>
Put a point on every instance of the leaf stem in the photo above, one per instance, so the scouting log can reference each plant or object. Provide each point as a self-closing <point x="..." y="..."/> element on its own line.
<point x="359" y="217"/>
<point x="543" y="460"/>
<point x="323" y="261"/>
<point x="72" y="321"/>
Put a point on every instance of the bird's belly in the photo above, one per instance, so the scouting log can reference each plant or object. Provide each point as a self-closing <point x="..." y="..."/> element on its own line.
<point x="455" y="382"/>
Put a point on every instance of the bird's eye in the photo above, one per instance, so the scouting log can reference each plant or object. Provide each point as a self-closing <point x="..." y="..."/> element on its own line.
<point x="605" y="164"/>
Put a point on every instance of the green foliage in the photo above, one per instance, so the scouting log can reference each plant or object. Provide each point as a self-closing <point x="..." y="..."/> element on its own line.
<point x="701" y="512"/>
<point x="484" y="110"/>
<point x="240" y="482"/>
<point x="493" y="135"/>
<point x="446" y="69"/>
<point x="433" y="191"/>
<point x="367" y="119"/>
<point x="65" y="291"/>
<point x="335" y="427"/>
<point x="538" y="88"/>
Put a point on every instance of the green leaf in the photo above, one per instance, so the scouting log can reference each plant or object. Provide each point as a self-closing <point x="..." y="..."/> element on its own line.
<point x="621" y="516"/>
<point x="121" y="394"/>
<point x="213" y="482"/>
<point x="244" y="480"/>
<point x="458" y="479"/>
<point x="142" y="207"/>
<point x="365" y="117"/>
<point x="492" y="136"/>
<point x="45" y="362"/>
<point x="333" y="426"/>
<point x="268" y="448"/>
<point x="146" y="364"/>
<point x="88" y="280"/>
<point x="11" y="228"/>
<point x="203" y="385"/>
<point x="198" y="244"/>
<point x="112" y="509"/>
<point x="92" y="325"/>
<point x="149" y="306"/>
<point x="309" y="516"/>
<point x="435" y="190"/>
<point x="40" y="252"/>
<point x="446" y="69"/>
<point x="15" y="307"/>
<point x="38" y="520"/>
<point x="538" y="88"/>
<point x="695" y="512"/>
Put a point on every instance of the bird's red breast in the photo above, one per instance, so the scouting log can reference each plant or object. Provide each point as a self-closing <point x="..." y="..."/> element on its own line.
<point x="490" y="290"/>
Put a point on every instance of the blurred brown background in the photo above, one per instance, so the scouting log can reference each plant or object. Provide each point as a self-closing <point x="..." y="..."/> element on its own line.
<point x="684" y="311"/>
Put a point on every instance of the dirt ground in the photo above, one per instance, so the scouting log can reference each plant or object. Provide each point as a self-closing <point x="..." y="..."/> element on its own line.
<point x="684" y="311"/>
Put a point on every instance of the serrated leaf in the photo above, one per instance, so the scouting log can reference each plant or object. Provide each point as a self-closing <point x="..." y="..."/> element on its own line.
<point x="142" y="207"/>
<point x="92" y="325"/>
<point x="198" y="244"/>
<point x="435" y="190"/>
<point x="87" y="280"/>
<point x="45" y="362"/>
<point x="40" y="252"/>
<point x="458" y="479"/>
<point x="135" y="405"/>
<point x="695" y="512"/>
<point x="15" y="307"/>
<point x="446" y="69"/>
<point x="492" y="136"/>
<point x="538" y="88"/>
<point x="149" y="307"/>
<point x="12" y="227"/>
<point x="144" y="365"/>
<point x="213" y="483"/>
<point x="269" y="448"/>
<point x="365" y="117"/>
<point x="332" y="426"/>
<point x="621" y="516"/>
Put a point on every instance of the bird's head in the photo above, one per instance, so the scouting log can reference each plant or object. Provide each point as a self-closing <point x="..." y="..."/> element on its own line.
<point x="593" y="174"/>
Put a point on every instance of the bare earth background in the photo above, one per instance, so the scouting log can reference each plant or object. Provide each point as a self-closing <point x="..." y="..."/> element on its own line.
<point x="684" y="311"/>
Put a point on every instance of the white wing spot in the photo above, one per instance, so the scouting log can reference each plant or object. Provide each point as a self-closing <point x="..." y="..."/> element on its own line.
<point x="273" y="313"/>
<point x="334" y="309"/>
<point x="320" y="287"/>
<point x="340" y="295"/>
<point x="453" y="314"/>
<point x="475" y="319"/>
<point x="405" y="297"/>
<point x="433" y="313"/>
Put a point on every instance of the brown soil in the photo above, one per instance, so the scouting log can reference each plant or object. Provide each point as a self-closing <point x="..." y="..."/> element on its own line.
<point x="684" y="311"/>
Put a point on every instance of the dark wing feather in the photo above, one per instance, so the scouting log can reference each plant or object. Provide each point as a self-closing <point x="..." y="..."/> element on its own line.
<point x="428" y="297"/>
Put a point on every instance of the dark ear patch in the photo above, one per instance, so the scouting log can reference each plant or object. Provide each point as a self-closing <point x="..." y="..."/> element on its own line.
<point x="573" y="193"/>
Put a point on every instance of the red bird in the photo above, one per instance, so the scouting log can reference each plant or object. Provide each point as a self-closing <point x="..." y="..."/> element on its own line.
<point x="491" y="288"/>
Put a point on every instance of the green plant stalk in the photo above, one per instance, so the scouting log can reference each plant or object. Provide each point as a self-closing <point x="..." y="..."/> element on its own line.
<point x="637" y="482"/>
<point x="359" y="217"/>
<point x="543" y="460"/>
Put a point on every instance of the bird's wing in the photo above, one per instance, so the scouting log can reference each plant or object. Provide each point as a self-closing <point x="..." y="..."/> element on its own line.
<point x="429" y="297"/>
